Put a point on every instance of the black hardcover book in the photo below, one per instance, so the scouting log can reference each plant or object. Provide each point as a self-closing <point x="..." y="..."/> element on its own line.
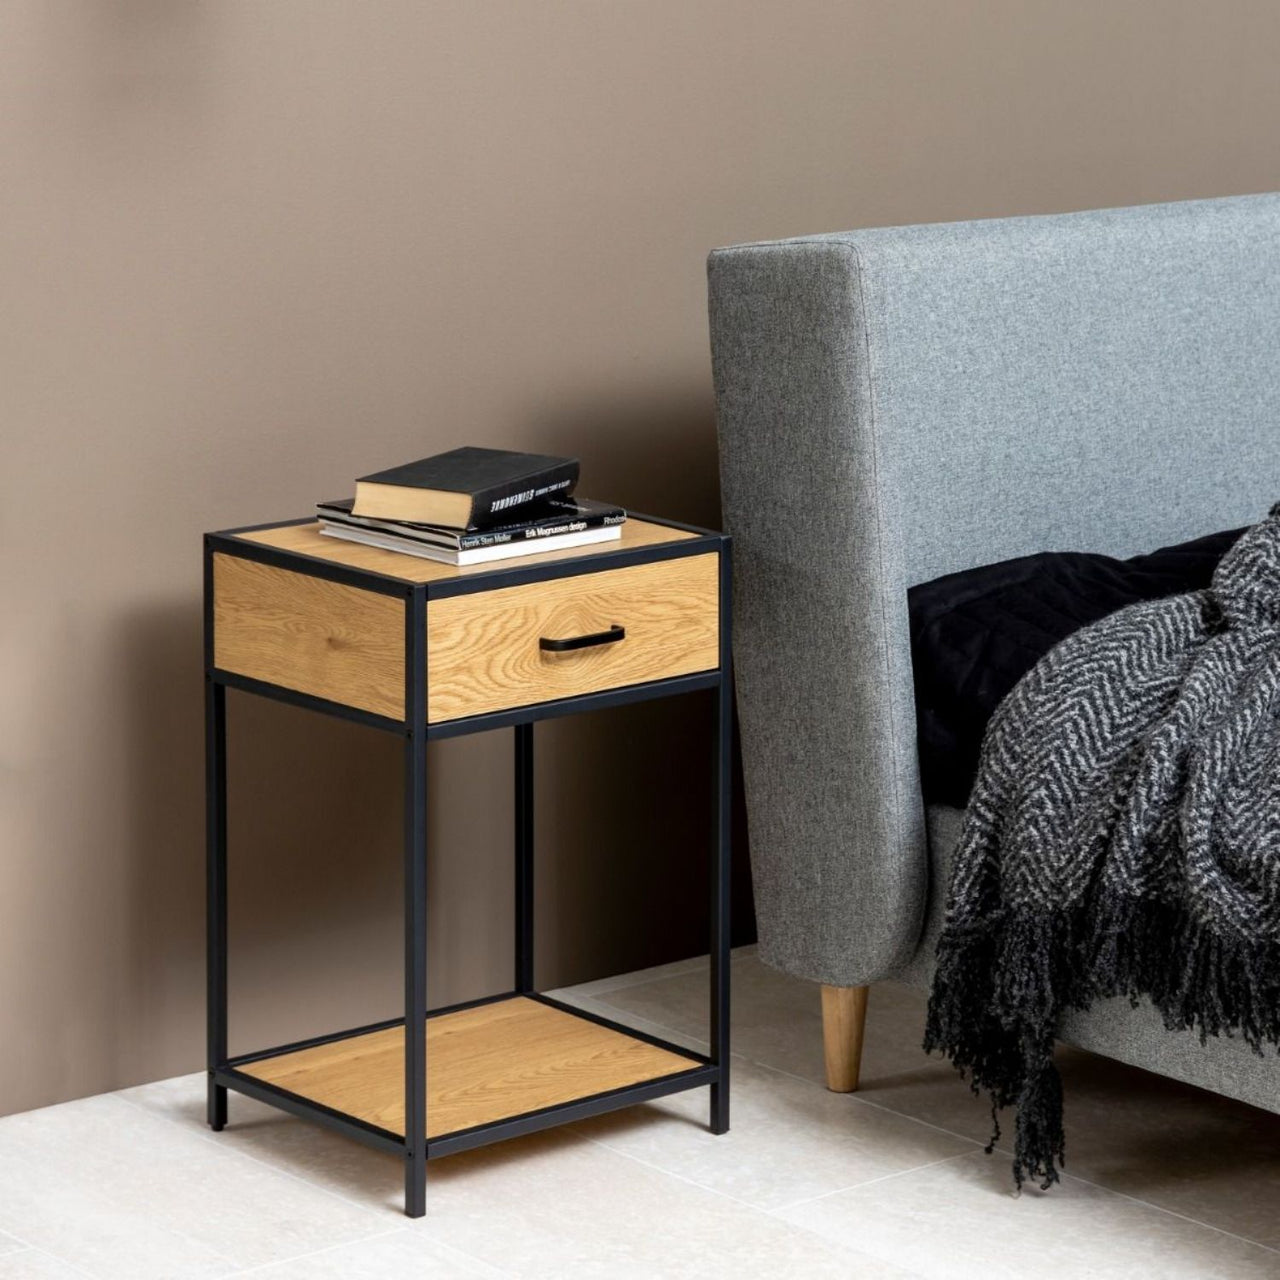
<point x="549" y="518"/>
<point x="465" y="488"/>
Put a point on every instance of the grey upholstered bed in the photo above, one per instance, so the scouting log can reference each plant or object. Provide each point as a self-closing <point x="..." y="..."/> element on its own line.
<point x="901" y="403"/>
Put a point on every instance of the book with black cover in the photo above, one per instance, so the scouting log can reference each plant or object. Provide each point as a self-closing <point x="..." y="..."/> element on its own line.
<point x="465" y="488"/>
<point x="547" y="519"/>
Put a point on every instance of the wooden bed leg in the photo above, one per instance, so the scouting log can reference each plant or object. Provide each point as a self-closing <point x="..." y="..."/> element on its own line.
<point x="844" y="1014"/>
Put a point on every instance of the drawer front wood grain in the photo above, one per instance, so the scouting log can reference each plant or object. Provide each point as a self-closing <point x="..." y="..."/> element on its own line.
<point x="483" y="653"/>
<point x="323" y="638"/>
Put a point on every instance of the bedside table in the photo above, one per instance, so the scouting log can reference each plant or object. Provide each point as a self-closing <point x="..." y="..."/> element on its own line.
<point x="427" y="651"/>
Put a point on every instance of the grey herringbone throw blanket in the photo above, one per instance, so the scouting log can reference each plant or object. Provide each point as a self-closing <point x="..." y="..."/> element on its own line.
<point x="1122" y="839"/>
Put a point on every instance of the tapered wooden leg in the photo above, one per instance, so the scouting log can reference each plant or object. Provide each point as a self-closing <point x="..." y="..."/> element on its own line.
<point x="844" y="1014"/>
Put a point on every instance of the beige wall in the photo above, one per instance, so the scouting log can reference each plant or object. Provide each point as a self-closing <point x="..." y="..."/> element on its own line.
<point x="249" y="250"/>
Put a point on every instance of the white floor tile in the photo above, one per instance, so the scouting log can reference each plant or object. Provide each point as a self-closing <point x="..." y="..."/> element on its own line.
<point x="787" y="1141"/>
<point x="197" y="1202"/>
<point x="694" y="964"/>
<point x="34" y="1264"/>
<point x="371" y="1179"/>
<point x="599" y="1004"/>
<point x="82" y="1224"/>
<point x="959" y="1221"/>
<point x="401" y="1255"/>
<point x="545" y="1205"/>
<point x="554" y="1205"/>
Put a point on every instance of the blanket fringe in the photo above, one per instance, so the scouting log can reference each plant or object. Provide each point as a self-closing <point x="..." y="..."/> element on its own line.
<point x="1002" y="985"/>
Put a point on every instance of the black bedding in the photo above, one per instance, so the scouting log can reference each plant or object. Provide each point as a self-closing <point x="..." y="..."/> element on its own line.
<point x="975" y="634"/>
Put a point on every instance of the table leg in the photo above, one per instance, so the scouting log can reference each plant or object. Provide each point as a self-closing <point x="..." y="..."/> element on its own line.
<point x="524" y="857"/>
<point x="415" y="908"/>
<point x="721" y="861"/>
<point x="215" y="720"/>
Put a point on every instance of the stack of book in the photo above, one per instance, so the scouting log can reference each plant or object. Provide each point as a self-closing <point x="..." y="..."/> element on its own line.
<point x="470" y="506"/>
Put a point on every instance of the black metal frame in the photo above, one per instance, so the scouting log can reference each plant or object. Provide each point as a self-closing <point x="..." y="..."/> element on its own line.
<point x="225" y="1072"/>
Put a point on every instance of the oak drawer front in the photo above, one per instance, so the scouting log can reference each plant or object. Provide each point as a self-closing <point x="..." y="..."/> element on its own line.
<point x="318" y="637"/>
<point x="484" y="652"/>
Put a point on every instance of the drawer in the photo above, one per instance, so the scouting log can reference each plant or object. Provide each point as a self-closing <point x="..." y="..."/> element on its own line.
<point x="485" y="651"/>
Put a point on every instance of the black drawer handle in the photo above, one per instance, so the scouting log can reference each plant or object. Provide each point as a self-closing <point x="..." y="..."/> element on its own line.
<point x="614" y="633"/>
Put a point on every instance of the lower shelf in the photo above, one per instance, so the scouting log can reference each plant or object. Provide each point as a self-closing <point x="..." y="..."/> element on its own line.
<point x="486" y="1063"/>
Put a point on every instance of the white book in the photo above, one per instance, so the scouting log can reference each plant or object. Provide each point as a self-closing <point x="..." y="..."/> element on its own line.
<point x="475" y="555"/>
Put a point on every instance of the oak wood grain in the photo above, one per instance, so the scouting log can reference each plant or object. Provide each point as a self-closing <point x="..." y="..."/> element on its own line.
<point x="844" y="1018"/>
<point x="483" y="1064"/>
<point x="308" y="540"/>
<point x="483" y="653"/>
<point x="323" y="638"/>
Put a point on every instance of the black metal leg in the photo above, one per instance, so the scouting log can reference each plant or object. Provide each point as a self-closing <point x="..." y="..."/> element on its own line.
<point x="721" y="861"/>
<point x="415" y="909"/>
<point x="215" y="799"/>
<point x="524" y="858"/>
<point x="215" y="723"/>
<point x="720" y="866"/>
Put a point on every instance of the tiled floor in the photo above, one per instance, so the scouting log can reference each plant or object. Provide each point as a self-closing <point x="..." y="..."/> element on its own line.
<point x="1166" y="1181"/>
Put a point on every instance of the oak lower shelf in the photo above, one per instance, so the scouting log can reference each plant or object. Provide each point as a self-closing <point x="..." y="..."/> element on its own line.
<point x="487" y="1063"/>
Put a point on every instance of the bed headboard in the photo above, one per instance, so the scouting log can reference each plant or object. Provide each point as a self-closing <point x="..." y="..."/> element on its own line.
<point x="899" y="403"/>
